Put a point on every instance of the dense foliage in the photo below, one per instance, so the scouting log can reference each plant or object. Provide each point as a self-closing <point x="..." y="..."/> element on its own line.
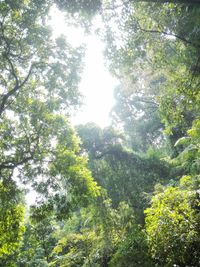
<point x="126" y="195"/>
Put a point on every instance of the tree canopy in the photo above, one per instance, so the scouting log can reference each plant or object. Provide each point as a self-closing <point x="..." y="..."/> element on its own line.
<point x="124" y="195"/>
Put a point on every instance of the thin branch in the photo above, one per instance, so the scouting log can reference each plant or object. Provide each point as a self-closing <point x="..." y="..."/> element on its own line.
<point x="27" y="76"/>
<point x="17" y="85"/>
<point x="195" y="69"/>
<point x="12" y="69"/>
<point x="144" y="100"/>
<point x="12" y="164"/>
<point x="169" y="34"/>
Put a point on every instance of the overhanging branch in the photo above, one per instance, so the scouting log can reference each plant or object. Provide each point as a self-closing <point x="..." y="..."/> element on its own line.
<point x="181" y="38"/>
<point x="17" y="85"/>
<point x="12" y="164"/>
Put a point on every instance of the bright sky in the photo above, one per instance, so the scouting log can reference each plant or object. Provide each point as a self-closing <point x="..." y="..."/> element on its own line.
<point x="97" y="83"/>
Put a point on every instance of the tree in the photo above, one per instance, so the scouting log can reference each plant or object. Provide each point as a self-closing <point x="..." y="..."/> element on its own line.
<point x="39" y="78"/>
<point x="85" y="7"/>
<point x="93" y="234"/>
<point x="31" y="252"/>
<point x="133" y="250"/>
<point x="89" y="6"/>
<point x="154" y="61"/>
<point x="40" y="237"/>
<point x="153" y="49"/>
<point x="172" y="224"/>
<point x="125" y="175"/>
<point x="11" y="222"/>
<point x="138" y="114"/>
<point x="39" y="149"/>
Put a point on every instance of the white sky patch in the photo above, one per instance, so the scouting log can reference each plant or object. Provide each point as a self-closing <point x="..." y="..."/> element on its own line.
<point x="97" y="86"/>
<point x="97" y="83"/>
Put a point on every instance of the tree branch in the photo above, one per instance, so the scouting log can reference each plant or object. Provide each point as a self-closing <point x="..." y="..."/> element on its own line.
<point x="169" y="34"/>
<point x="149" y="101"/>
<point x="6" y="54"/>
<point x="17" y="86"/>
<point x="12" y="164"/>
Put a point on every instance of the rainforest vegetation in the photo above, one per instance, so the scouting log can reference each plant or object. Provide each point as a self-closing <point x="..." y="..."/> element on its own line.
<point x="127" y="195"/>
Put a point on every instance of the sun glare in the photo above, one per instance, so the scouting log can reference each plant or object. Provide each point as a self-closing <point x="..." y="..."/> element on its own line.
<point x="97" y="84"/>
